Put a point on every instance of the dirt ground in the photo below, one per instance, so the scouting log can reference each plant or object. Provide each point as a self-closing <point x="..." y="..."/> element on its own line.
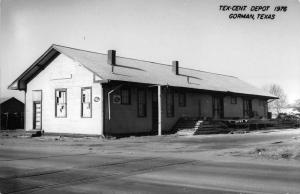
<point x="282" y="145"/>
<point x="256" y="162"/>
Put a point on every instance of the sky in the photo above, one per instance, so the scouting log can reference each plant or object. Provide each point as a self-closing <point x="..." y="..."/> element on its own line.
<point x="194" y="32"/>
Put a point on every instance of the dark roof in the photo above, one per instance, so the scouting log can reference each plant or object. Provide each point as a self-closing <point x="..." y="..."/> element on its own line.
<point x="139" y="71"/>
<point x="2" y="100"/>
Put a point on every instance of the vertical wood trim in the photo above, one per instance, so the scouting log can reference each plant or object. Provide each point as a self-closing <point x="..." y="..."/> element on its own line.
<point x="159" y="109"/>
<point x="24" y="114"/>
<point x="101" y="110"/>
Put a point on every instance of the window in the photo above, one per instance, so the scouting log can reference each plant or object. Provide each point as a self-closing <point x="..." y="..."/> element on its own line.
<point x="233" y="100"/>
<point x="170" y="103"/>
<point x="61" y="103"/>
<point x="86" y="102"/>
<point x="125" y="96"/>
<point x="142" y="103"/>
<point x="182" y="99"/>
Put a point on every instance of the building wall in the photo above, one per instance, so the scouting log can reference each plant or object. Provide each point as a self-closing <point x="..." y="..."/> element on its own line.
<point x="197" y="105"/>
<point x="236" y="110"/>
<point x="124" y="118"/>
<point x="12" y="114"/>
<point x="64" y="73"/>
<point x="258" y="107"/>
<point x="233" y="110"/>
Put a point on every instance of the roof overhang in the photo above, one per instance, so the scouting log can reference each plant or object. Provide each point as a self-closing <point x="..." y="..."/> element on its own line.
<point x="32" y="71"/>
<point x="42" y="62"/>
<point x="251" y="95"/>
<point x="213" y="92"/>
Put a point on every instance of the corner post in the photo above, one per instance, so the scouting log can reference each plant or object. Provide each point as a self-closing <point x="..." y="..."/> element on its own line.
<point x="159" y="109"/>
<point x="102" y="101"/>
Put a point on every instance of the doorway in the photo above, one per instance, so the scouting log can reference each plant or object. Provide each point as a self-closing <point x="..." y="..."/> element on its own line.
<point x="218" y="107"/>
<point x="37" y="115"/>
<point x="37" y="109"/>
<point x="199" y="109"/>
<point x="247" y="106"/>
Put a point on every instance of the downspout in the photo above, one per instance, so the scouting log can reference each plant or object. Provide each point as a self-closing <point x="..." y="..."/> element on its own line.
<point x="24" y="114"/>
<point x="102" y="111"/>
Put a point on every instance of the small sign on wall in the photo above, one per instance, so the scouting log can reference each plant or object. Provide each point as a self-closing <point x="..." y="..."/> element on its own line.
<point x="116" y="99"/>
<point x="96" y="99"/>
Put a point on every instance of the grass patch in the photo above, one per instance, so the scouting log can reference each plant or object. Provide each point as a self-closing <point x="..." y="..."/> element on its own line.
<point x="279" y="150"/>
<point x="286" y="152"/>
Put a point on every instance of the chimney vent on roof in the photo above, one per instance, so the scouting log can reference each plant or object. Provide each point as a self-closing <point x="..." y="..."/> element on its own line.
<point x="111" y="57"/>
<point x="175" y="67"/>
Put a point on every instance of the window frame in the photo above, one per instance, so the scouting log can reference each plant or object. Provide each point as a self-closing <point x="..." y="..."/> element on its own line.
<point x="129" y="95"/>
<point x="66" y="102"/>
<point x="182" y="94"/>
<point x="170" y="92"/>
<point x="138" y="103"/>
<point x="91" y="102"/>
<point x="233" y="100"/>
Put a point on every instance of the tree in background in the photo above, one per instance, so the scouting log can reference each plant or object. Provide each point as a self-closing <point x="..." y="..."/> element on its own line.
<point x="276" y="105"/>
<point x="296" y="106"/>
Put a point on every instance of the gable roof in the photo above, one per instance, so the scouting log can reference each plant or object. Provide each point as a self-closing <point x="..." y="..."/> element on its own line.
<point x="138" y="71"/>
<point x="2" y="100"/>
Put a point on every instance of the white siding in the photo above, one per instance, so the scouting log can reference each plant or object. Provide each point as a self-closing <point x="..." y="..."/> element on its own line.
<point x="63" y="72"/>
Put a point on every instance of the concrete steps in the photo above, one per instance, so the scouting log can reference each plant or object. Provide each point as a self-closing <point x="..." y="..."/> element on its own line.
<point x="197" y="126"/>
<point x="34" y="133"/>
<point x="212" y="127"/>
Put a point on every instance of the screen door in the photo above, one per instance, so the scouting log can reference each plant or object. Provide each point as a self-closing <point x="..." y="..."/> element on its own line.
<point x="37" y="109"/>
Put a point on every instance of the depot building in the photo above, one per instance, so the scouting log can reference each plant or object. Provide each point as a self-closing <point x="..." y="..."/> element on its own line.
<point x="75" y="91"/>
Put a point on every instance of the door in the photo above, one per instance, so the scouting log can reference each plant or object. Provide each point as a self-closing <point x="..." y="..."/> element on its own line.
<point x="199" y="109"/>
<point x="247" y="105"/>
<point x="37" y="115"/>
<point x="218" y="107"/>
<point x="37" y="109"/>
<point x="154" y="110"/>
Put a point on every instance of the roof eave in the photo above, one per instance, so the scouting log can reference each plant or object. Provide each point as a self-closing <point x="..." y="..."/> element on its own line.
<point x="12" y="87"/>
<point x="17" y="85"/>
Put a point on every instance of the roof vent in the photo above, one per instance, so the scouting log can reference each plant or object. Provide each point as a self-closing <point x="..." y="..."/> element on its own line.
<point x="175" y="67"/>
<point x="111" y="58"/>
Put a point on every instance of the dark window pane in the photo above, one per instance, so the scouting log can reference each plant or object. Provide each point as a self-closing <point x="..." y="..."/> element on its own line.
<point x="233" y="100"/>
<point x="61" y="103"/>
<point x="86" y="102"/>
<point x="170" y="103"/>
<point x="142" y="105"/>
<point x="182" y="99"/>
<point x="125" y="96"/>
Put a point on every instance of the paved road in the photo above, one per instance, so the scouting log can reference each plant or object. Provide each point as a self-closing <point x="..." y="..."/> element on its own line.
<point x="24" y="171"/>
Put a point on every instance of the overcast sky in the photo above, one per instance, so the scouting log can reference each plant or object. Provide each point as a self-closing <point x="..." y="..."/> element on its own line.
<point x="192" y="31"/>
